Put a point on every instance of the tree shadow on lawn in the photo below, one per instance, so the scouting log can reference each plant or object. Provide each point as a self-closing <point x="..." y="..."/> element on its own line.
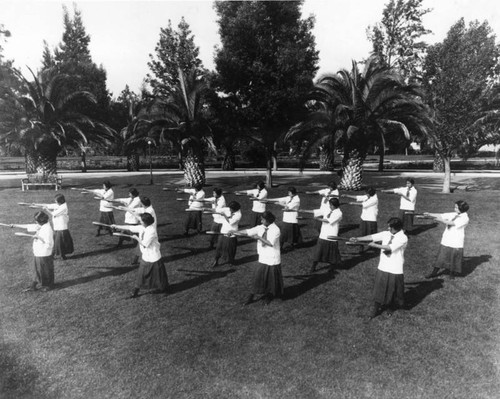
<point x="107" y="250"/>
<point x="419" y="290"/>
<point x="111" y="271"/>
<point x="347" y="227"/>
<point x="421" y="228"/>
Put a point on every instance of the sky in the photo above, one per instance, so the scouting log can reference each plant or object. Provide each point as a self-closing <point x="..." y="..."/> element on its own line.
<point x="124" y="33"/>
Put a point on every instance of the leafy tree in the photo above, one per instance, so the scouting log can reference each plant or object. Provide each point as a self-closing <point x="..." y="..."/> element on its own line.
<point x="396" y="39"/>
<point x="42" y="119"/>
<point x="266" y="63"/>
<point x="458" y="74"/>
<point x="175" y="49"/>
<point x="355" y="109"/>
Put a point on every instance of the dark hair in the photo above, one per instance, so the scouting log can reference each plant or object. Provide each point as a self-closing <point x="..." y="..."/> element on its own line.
<point x="335" y="202"/>
<point x="462" y="206"/>
<point x="395" y="223"/>
<point x="60" y="199"/>
<point x="234" y="206"/>
<point x="107" y="184"/>
<point x="293" y="190"/>
<point x="145" y="200"/>
<point x="147" y="219"/>
<point x="260" y="185"/>
<point x="268" y="215"/>
<point x="218" y="191"/>
<point x="411" y="180"/>
<point x="332" y="185"/>
<point x="41" y="217"/>
<point x="198" y="186"/>
<point x="371" y="191"/>
<point x="134" y="192"/>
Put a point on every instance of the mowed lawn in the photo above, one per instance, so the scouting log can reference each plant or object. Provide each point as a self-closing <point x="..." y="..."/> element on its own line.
<point x="84" y="339"/>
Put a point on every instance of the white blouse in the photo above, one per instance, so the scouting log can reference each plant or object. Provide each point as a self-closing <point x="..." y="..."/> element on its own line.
<point x="107" y="195"/>
<point x="130" y="203"/>
<point x="141" y="209"/>
<point x="332" y="227"/>
<point x="233" y="221"/>
<point x="369" y="205"/>
<point x="45" y="232"/>
<point x="404" y="203"/>
<point x="217" y="205"/>
<point x="257" y="206"/>
<point x="392" y="262"/>
<point x="195" y="195"/>
<point x="293" y="203"/>
<point x="454" y="236"/>
<point x="326" y="194"/>
<point x="268" y="255"/>
<point x="148" y="240"/>
<point x="60" y="216"/>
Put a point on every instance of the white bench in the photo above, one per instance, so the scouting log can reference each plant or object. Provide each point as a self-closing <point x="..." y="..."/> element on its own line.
<point x="38" y="180"/>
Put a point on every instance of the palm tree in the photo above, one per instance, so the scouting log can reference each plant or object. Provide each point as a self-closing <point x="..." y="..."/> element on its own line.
<point x="356" y="109"/>
<point x="181" y="121"/>
<point x="45" y="119"/>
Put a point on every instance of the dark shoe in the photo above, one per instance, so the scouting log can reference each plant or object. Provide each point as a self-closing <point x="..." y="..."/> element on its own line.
<point x="135" y="262"/>
<point x="135" y="294"/>
<point x="186" y="234"/>
<point x="63" y="257"/>
<point x="268" y="299"/>
<point x="452" y="276"/>
<point x="98" y="234"/>
<point x="44" y="288"/>
<point x="312" y="269"/>
<point x="249" y="300"/>
<point x="32" y="287"/>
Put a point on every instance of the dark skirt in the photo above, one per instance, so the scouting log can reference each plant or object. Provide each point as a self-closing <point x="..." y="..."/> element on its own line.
<point x="257" y="221"/>
<point x="215" y="227"/>
<point x="268" y="280"/>
<point x="106" y="218"/>
<point x="63" y="243"/>
<point x="290" y="233"/>
<point x="407" y="219"/>
<point x="226" y="246"/>
<point x="193" y="221"/>
<point x="367" y="228"/>
<point x="317" y="225"/>
<point x="389" y="288"/>
<point x="450" y="258"/>
<point x="327" y="252"/>
<point x="44" y="270"/>
<point x="152" y="275"/>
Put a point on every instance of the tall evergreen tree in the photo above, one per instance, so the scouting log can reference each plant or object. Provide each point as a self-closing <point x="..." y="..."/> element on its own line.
<point x="397" y="40"/>
<point x="458" y="73"/>
<point x="175" y="49"/>
<point x="267" y="63"/>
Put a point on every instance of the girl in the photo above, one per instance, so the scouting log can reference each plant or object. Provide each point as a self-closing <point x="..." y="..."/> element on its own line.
<point x="106" y="194"/>
<point x="268" y="278"/>
<point x="152" y="273"/>
<point x="227" y="243"/>
<point x="369" y="212"/>
<point x="451" y="251"/>
<point x="327" y="249"/>
<point x="133" y="201"/>
<point x="326" y="193"/>
<point x="407" y="203"/>
<point x="218" y="203"/>
<point x="43" y="247"/>
<point x="389" y="279"/>
<point x="257" y="195"/>
<point x="63" y="242"/>
<point x="195" y="203"/>
<point x="291" y="230"/>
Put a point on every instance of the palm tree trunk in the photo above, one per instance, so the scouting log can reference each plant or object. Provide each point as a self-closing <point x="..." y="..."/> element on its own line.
<point x="352" y="172"/>
<point x="47" y="165"/>
<point x="229" y="161"/>
<point x="194" y="170"/>
<point x="31" y="161"/>
<point x="133" y="162"/>
<point x="326" y="159"/>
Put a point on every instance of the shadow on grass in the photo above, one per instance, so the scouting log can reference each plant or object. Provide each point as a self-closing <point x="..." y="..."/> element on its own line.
<point x="107" y="250"/>
<point x="419" y="290"/>
<point x="470" y="263"/>
<point x="421" y="228"/>
<point x="110" y="271"/>
<point x="308" y="283"/>
<point x="347" y="227"/>
<point x="202" y="277"/>
<point x="357" y="258"/>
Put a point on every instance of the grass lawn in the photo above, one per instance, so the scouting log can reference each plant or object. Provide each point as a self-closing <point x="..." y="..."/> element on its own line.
<point x="85" y="340"/>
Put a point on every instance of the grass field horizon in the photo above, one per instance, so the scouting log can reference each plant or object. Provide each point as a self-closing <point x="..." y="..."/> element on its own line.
<point x="84" y="339"/>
